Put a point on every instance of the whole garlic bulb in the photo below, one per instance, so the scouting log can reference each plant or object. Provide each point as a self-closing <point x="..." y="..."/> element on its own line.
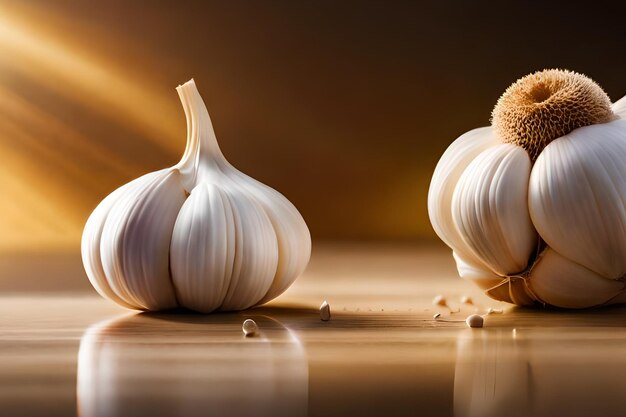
<point x="200" y="235"/>
<point x="534" y="206"/>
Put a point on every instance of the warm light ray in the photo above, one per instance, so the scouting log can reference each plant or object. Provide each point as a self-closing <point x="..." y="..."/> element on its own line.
<point x="58" y="140"/>
<point x="50" y="171"/>
<point x="87" y="80"/>
<point x="30" y="216"/>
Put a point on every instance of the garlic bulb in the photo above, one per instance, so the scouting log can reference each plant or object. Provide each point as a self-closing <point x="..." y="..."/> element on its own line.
<point x="534" y="206"/>
<point x="200" y="235"/>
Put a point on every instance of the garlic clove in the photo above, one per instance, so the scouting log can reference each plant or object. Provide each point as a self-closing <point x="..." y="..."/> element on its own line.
<point x="577" y="197"/>
<point x="224" y="251"/>
<point x="202" y="251"/>
<point x="90" y="244"/>
<point x="478" y="274"/>
<point x="561" y="282"/>
<point x="92" y="247"/>
<point x="136" y="238"/>
<point x="490" y="209"/>
<point x="292" y="234"/>
<point x="256" y="253"/>
<point x="511" y="290"/>
<point x="445" y="178"/>
<point x="619" y="107"/>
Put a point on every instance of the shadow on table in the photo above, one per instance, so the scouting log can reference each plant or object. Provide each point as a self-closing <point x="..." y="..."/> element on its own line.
<point x="609" y="316"/>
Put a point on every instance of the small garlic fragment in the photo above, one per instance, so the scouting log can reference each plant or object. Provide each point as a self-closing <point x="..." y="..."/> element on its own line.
<point x="440" y="300"/>
<point x="436" y="316"/>
<point x="249" y="327"/>
<point x="494" y="310"/>
<point x="466" y="300"/>
<point x="475" y="321"/>
<point x="325" y="311"/>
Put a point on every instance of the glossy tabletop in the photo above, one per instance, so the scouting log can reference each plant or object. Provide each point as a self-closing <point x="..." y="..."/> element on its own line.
<point x="68" y="352"/>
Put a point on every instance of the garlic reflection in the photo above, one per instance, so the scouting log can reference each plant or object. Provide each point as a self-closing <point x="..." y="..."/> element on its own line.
<point x="134" y="367"/>
<point x="499" y="373"/>
<point x="491" y="378"/>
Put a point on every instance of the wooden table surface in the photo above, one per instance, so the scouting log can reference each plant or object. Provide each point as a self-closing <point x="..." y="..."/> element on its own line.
<point x="65" y="353"/>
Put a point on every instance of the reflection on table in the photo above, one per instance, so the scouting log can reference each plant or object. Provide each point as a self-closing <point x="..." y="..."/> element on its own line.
<point x="198" y="366"/>
<point x="540" y="372"/>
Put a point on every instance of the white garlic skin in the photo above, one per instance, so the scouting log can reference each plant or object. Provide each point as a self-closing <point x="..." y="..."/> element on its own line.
<point x="490" y="206"/>
<point x="199" y="235"/>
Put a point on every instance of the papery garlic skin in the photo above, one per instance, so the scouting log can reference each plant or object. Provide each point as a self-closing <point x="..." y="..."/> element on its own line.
<point x="535" y="218"/>
<point x="199" y="235"/>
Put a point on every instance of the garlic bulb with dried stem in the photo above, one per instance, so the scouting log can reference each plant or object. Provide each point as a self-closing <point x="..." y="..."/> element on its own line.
<point x="200" y="235"/>
<point x="534" y="206"/>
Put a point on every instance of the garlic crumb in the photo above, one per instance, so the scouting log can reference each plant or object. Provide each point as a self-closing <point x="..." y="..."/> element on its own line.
<point x="466" y="300"/>
<point x="325" y="311"/>
<point x="249" y="327"/>
<point x="436" y="316"/>
<point x="440" y="300"/>
<point x="474" y="321"/>
<point x="494" y="310"/>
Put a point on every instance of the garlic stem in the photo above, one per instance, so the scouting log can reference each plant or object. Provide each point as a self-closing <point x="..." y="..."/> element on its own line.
<point x="546" y="105"/>
<point x="202" y="153"/>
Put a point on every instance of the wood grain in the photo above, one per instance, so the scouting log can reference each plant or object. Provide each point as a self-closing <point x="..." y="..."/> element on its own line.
<point x="382" y="353"/>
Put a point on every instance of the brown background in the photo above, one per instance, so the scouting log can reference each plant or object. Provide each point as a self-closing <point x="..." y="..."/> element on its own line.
<point x="343" y="106"/>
